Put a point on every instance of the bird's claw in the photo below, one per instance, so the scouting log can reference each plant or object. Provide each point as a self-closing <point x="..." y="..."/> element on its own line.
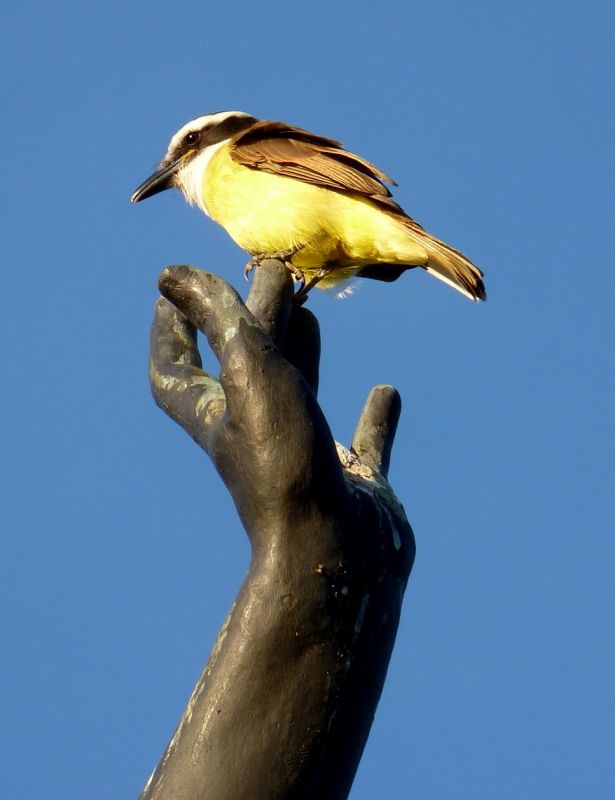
<point x="297" y="274"/>
<point x="285" y="257"/>
<point x="253" y="262"/>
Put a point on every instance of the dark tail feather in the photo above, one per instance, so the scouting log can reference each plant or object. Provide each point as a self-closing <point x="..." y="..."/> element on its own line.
<point x="452" y="267"/>
<point x="382" y="272"/>
<point x="458" y="272"/>
<point x="448" y="264"/>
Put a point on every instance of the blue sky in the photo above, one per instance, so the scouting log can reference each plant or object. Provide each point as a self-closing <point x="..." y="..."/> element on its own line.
<point x="121" y="551"/>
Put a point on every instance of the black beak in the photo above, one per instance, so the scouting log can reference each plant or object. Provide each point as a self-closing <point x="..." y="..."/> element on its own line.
<point x="161" y="179"/>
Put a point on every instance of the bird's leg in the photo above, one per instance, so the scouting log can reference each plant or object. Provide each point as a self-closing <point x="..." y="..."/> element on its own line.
<point x="301" y="294"/>
<point x="281" y="255"/>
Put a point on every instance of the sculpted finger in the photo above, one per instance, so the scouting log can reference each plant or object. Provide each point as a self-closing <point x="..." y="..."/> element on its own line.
<point x="270" y="298"/>
<point x="272" y="409"/>
<point x="172" y="339"/>
<point x="374" y="435"/>
<point x="302" y="345"/>
<point x="208" y="302"/>
<point x="293" y="328"/>
<point x="190" y="396"/>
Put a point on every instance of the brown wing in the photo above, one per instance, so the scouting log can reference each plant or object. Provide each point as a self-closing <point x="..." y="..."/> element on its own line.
<point x="285" y="150"/>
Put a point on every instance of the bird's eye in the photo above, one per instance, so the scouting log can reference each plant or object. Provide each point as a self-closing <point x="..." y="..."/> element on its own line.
<point x="192" y="138"/>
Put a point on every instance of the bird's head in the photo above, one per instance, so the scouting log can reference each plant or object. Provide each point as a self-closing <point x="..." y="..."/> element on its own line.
<point x="189" y="152"/>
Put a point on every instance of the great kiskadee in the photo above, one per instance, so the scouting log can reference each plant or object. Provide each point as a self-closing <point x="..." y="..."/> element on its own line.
<point x="283" y="192"/>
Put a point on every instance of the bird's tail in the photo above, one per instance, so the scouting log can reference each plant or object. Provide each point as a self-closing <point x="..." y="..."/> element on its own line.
<point x="452" y="267"/>
<point x="436" y="257"/>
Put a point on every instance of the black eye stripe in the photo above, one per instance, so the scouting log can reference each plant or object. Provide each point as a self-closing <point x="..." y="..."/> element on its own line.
<point x="210" y="134"/>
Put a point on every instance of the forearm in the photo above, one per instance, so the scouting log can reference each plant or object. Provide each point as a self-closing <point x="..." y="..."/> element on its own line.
<point x="285" y="704"/>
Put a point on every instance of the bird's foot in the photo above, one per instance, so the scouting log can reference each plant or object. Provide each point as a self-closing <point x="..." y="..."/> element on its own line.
<point x="284" y="256"/>
<point x="301" y="294"/>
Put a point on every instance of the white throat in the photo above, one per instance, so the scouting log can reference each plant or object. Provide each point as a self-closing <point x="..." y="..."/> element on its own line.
<point x="191" y="178"/>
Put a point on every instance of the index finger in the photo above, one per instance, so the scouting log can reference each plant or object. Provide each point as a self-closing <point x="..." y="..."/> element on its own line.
<point x="210" y="303"/>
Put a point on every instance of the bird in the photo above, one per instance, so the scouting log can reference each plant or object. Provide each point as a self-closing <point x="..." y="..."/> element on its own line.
<point x="283" y="192"/>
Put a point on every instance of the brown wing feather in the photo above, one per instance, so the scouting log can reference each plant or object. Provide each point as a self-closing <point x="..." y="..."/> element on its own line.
<point x="282" y="149"/>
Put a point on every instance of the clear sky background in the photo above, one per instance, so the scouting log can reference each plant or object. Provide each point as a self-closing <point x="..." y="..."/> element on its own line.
<point x="121" y="551"/>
